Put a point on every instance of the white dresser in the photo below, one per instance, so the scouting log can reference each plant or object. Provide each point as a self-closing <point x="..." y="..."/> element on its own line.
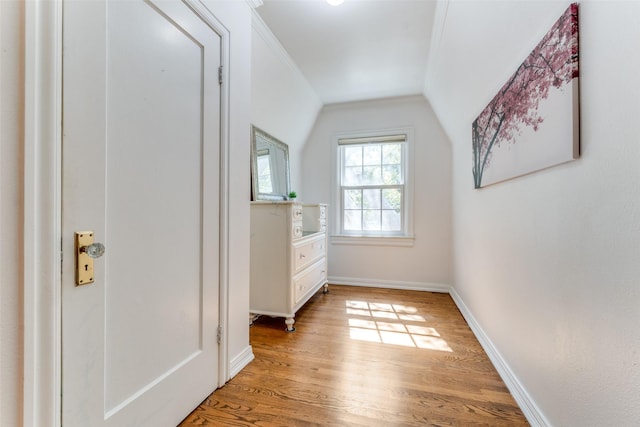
<point x="288" y="256"/>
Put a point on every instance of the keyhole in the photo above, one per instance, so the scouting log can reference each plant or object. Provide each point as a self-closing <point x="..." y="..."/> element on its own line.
<point x="86" y="267"/>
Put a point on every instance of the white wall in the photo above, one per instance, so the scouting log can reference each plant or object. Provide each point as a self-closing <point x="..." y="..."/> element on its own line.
<point x="236" y="16"/>
<point x="11" y="136"/>
<point x="549" y="263"/>
<point x="428" y="263"/>
<point x="283" y="103"/>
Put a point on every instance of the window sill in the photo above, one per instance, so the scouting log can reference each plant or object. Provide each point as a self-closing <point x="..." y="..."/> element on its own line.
<point x="406" y="241"/>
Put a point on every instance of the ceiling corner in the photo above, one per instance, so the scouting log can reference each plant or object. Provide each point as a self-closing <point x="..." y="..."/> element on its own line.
<point x="254" y="3"/>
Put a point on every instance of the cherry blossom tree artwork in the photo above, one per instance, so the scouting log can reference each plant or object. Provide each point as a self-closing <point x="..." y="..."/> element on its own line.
<point x="532" y="122"/>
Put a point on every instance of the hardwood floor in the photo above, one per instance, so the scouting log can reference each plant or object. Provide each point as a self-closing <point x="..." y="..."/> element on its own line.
<point x="364" y="357"/>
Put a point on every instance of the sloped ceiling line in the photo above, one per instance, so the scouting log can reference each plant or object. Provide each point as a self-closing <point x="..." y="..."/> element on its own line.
<point x="439" y="21"/>
<point x="276" y="47"/>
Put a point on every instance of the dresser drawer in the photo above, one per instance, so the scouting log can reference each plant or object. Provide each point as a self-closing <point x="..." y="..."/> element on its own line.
<point x="296" y="230"/>
<point x="305" y="254"/>
<point x="322" y="212"/>
<point x="314" y="275"/>
<point x="296" y="212"/>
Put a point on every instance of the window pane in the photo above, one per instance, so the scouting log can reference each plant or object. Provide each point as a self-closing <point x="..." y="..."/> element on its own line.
<point x="391" y="154"/>
<point x="371" y="175"/>
<point x="264" y="175"/>
<point x="392" y="199"/>
<point x="371" y="199"/>
<point x="372" y="154"/>
<point x="352" y="176"/>
<point x="391" y="221"/>
<point x="392" y="175"/>
<point x="371" y="220"/>
<point x="352" y="220"/>
<point x="353" y="199"/>
<point x="352" y="155"/>
<point x="372" y="179"/>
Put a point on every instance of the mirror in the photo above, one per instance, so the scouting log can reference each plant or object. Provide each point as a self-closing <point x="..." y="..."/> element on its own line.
<point x="269" y="166"/>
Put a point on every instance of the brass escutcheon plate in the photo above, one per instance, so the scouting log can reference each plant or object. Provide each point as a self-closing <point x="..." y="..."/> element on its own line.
<point x="84" y="263"/>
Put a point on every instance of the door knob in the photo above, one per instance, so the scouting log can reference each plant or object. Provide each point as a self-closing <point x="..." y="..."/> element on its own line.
<point x="86" y="252"/>
<point x="94" y="250"/>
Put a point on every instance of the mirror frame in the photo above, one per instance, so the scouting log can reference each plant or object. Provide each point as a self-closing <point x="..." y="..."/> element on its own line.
<point x="259" y="133"/>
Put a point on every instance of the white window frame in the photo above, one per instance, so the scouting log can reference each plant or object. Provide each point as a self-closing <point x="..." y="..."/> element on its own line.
<point x="403" y="238"/>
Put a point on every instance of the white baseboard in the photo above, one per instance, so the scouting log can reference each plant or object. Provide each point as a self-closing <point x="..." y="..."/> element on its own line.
<point x="534" y="415"/>
<point x="240" y="361"/>
<point x="389" y="284"/>
<point x="528" y="406"/>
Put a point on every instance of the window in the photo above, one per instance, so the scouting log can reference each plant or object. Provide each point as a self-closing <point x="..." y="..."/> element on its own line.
<point x="264" y="171"/>
<point x="372" y="185"/>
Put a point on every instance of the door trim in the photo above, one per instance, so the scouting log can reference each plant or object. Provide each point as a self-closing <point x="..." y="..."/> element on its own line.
<point x="223" y="357"/>
<point x="42" y="257"/>
<point x="42" y="214"/>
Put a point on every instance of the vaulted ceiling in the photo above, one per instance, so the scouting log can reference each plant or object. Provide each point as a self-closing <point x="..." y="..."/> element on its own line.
<point x="362" y="49"/>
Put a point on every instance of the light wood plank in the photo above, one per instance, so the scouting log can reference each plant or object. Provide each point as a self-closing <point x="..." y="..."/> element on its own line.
<point x="364" y="357"/>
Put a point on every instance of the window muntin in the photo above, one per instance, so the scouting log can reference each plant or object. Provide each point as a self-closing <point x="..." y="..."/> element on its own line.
<point x="372" y="185"/>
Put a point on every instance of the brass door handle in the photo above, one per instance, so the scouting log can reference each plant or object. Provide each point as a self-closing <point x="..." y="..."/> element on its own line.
<point x="86" y="252"/>
<point x="94" y="250"/>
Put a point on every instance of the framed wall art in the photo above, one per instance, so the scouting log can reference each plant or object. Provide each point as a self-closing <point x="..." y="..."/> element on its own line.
<point x="532" y="123"/>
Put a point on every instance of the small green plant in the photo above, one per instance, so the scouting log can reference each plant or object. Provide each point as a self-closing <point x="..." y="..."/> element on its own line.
<point x="293" y="195"/>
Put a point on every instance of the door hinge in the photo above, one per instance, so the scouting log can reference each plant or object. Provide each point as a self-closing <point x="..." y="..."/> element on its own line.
<point x="220" y="74"/>
<point x="219" y="334"/>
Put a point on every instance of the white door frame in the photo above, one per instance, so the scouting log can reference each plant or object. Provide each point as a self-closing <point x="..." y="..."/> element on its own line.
<point x="42" y="209"/>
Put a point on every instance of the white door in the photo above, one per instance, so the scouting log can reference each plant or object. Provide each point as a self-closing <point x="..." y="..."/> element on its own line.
<point x="141" y="163"/>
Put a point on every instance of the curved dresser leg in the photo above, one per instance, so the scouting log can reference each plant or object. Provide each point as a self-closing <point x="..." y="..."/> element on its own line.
<point x="289" y="322"/>
<point x="326" y="288"/>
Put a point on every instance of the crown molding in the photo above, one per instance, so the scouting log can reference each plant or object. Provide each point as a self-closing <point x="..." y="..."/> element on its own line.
<point x="254" y="3"/>
<point x="439" y="21"/>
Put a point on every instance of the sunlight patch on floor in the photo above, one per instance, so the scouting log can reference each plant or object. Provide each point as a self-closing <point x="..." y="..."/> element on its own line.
<point x="392" y="324"/>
